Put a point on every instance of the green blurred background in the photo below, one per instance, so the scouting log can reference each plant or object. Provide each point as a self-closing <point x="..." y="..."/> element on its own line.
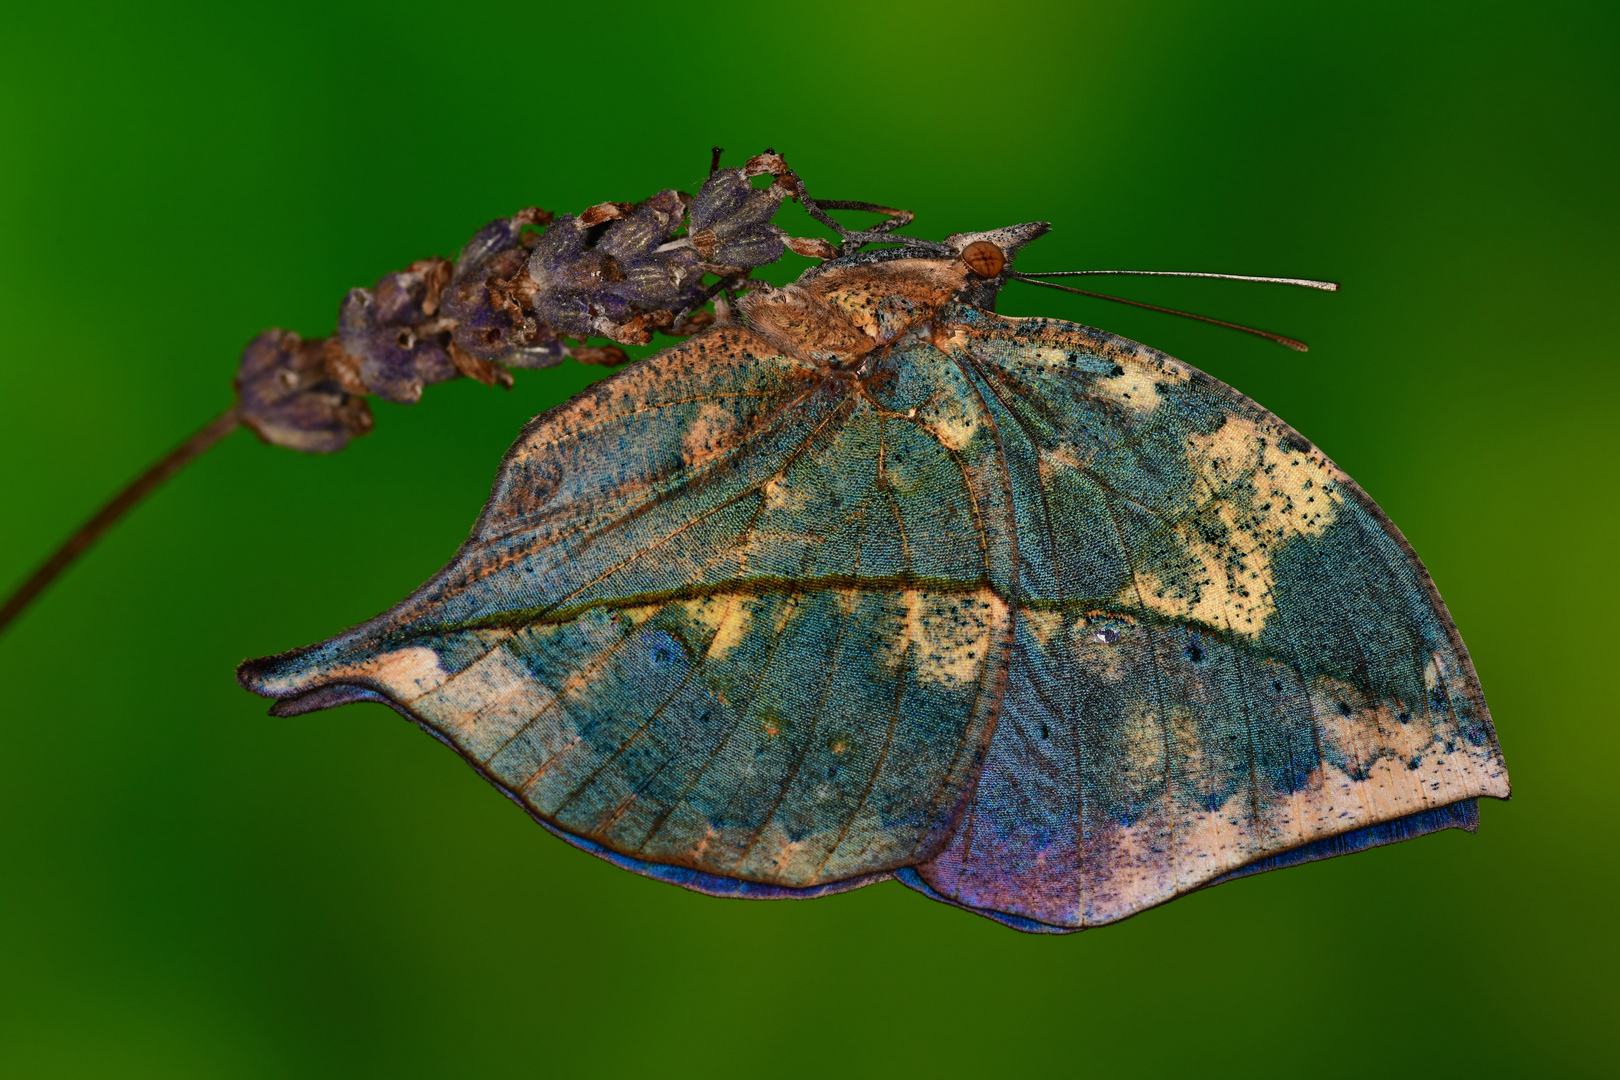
<point x="188" y="887"/>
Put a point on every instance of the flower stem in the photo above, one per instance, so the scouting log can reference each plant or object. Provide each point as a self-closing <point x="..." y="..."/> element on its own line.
<point x="120" y="505"/>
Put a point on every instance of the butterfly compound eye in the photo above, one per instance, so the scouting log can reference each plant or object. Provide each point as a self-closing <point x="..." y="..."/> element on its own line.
<point x="984" y="258"/>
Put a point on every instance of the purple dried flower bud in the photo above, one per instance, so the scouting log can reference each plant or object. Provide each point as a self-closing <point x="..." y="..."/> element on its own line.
<point x="500" y="236"/>
<point x="731" y="221"/>
<point x="285" y="396"/>
<point x="395" y="359"/>
<point x="565" y="275"/>
<point x="639" y="233"/>
<point x="655" y="277"/>
<point x="492" y="324"/>
<point x="594" y="280"/>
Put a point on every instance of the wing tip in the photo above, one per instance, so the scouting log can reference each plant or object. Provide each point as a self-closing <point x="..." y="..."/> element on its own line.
<point x="256" y="675"/>
<point x="290" y="676"/>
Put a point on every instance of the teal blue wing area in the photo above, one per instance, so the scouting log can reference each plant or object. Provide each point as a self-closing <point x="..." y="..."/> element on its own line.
<point x="1038" y="621"/>
<point x="721" y="615"/>
<point x="1227" y="659"/>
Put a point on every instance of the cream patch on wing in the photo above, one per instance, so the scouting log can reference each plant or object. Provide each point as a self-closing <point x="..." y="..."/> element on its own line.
<point x="732" y="628"/>
<point x="713" y="432"/>
<point x="949" y="419"/>
<point x="1250" y="494"/>
<point x="948" y="636"/>
<point x="1288" y="491"/>
<point x="1136" y="387"/>
<point x="1142" y="740"/>
<point x="1065" y="456"/>
<point x="1136" y="390"/>
<point x="409" y="673"/>
<point x="1043" y="354"/>
<point x="406" y="674"/>
<point x="1042" y="624"/>
<point x="779" y="496"/>
<point x="706" y="612"/>
<point x="484" y="705"/>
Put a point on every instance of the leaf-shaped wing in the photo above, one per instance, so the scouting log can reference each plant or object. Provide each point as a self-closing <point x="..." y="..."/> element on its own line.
<point x="723" y="614"/>
<point x="1226" y="657"/>
<point x="1040" y="621"/>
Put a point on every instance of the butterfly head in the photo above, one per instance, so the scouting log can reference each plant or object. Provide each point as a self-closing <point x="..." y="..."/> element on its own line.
<point x="987" y="258"/>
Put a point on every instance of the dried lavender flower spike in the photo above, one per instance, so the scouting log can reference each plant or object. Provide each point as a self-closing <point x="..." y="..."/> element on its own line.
<point x="513" y="299"/>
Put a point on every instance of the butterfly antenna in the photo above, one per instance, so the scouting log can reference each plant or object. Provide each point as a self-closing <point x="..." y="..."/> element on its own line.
<point x="108" y="515"/>
<point x="1297" y="346"/>
<point x="1308" y="283"/>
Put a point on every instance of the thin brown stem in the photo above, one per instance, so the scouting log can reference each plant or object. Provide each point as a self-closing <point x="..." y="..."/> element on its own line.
<point x="120" y="505"/>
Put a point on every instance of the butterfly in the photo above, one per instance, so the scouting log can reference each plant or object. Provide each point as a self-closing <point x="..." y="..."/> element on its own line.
<point x="866" y="581"/>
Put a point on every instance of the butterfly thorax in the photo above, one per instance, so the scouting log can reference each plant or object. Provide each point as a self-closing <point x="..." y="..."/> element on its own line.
<point x="839" y="312"/>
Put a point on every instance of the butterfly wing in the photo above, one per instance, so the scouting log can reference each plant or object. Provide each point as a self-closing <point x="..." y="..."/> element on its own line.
<point x="724" y="620"/>
<point x="1226" y="658"/>
<point x="734" y="622"/>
